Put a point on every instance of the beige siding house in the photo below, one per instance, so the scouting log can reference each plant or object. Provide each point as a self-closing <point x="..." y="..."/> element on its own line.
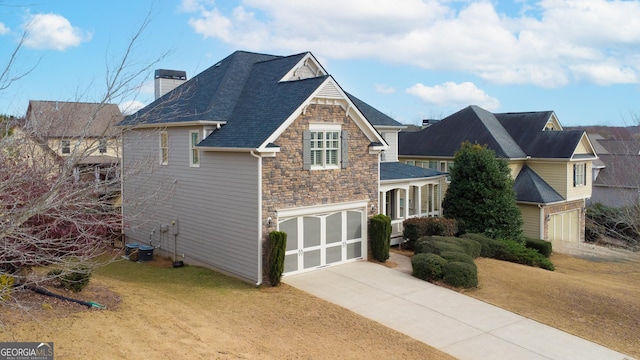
<point x="83" y="133"/>
<point x="551" y="167"/>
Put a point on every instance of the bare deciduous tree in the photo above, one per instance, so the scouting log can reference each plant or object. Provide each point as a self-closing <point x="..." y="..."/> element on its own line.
<point x="53" y="210"/>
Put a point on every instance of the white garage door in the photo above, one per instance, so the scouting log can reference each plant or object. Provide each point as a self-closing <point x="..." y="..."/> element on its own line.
<point x="318" y="240"/>
<point x="564" y="227"/>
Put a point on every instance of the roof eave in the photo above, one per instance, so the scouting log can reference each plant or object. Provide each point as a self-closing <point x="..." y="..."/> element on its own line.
<point x="216" y="123"/>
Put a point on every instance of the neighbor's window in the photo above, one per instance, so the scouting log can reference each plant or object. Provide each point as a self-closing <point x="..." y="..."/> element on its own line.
<point x="102" y="146"/>
<point x="411" y="162"/>
<point x="194" y="154"/>
<point x="579" y="174"/>
<point x="66" y="146"/>
<point x="164" y="148"/>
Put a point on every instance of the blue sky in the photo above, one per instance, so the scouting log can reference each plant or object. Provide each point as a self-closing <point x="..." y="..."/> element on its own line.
<point x="412" y="59"/>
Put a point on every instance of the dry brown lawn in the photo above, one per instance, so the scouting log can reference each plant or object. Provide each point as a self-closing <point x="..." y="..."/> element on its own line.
<point x="595" y="299"/>
<point x="155" y="315"/>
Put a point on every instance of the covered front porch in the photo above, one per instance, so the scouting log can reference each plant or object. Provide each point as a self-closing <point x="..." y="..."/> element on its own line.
<point x="408" y="191"/>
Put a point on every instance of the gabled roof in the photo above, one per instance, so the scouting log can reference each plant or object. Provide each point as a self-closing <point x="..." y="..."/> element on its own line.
<point x="531" y="188"/>
<point x="619" y="171"/>
<point x="398" y="171"/>
<point x="510" y="135"/>
<point x="472" y="124"/>
<point x="251" y="95"/>
<point x="375" y="116"/>
<point x="60" y="119"/>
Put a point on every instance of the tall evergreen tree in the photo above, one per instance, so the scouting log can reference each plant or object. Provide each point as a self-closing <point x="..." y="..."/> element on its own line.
<point x="481" y="194"/>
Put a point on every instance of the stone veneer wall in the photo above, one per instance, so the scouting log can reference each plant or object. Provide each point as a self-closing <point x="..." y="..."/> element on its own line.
<point x="286" y="185"/>
<point x="565" y="207"/>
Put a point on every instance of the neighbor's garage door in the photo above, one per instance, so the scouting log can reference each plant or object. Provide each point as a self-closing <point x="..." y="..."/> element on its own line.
<point x="564" y="227"/>
<point x="318" y="240"/>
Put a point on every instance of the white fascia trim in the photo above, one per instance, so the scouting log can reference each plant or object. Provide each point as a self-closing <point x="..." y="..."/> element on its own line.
<point x="315" y="209"/>
<point x="413" y="182"/>
<point x="176" y="124"/>
<point x="307" y="57"/>
<point x="389" y="127"/>
<point x="371" y="133"/>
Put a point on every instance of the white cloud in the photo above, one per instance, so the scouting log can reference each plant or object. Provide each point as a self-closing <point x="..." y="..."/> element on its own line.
<point x="384" y="89"/>
<point x="539" y="45"/>
<point x="53" y="31"/>
<point x="3" y="29"/>
<point x="451" y="94"/>
<point x="131" y="106"/>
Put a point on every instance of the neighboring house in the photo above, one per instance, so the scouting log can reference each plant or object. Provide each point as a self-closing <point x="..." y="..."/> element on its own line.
<point x="550" y="166"/>
<point x="616" y="181"/>
<point x="80" y="132"/>
<point x="253" y="144"/>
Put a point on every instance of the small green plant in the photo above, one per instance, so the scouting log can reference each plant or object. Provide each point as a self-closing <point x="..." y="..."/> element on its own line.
<point x="542" y="246"/>
<point x="460" y="274"/>
<point x="380" y="233"/>
<point x="427" y="266"/>
<point x="75" y="280"/>
<point x="457" y="257"/>
<point x="6" y="284"/>
<point x="278" y="241"/>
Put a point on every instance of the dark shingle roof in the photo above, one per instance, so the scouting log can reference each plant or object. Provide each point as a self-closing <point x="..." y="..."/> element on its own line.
<point x="243" y="90"/>
<point x="375" y="116"/>
<point x="472" y="124"/>
<point x="510" y="135"/>
<point x="530" y="187"/>
<point x="398" y="171"/>
<point x="619" y="171"/>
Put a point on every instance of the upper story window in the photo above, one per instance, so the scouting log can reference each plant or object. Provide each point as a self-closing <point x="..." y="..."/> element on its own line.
<point x="325" y="147"/>
<point x="579" y="174"/>
<point x="65" y="146"/>
<point x="164" y="148"/>
<point x="411" y="162"/>
<point x="194" y="154"/>
<point x="102" y="146"/>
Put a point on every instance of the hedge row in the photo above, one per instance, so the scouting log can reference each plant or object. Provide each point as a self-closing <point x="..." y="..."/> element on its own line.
<point x="448" y="259"/>
<point x="511" y="251"/>
<point x="415" y="228"/>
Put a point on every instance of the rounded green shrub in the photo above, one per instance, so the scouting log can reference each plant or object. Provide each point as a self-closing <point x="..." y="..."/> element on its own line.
<point x="460" y="274"/>
<point x="542" y="246"/>
<point x="458" y="257"/>
<point x="75" y="279"/>
<point x="380" y="234"/>
<point x="427" y="266"/>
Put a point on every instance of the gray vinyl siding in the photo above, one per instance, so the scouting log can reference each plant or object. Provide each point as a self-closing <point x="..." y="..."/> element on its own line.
<point x="216" y="204"/>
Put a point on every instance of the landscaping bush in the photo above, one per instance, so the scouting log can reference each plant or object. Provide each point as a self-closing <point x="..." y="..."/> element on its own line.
<point x="427" y="266"/>
<point x="467" y="246"/>
<point x="75" y="280"/>
<point x="520" y="254"/>
<point x="510" y="251"/>
<point x="436" y="245"/>
<point x="415" y="228"/>
<point x="541" y="246"/>
<point x="278" y="240"/>
<point x="380" y="232"/>
<point x="457" y="257"/>
<point x="488" y="247"/>
<point x="460" y="274"/>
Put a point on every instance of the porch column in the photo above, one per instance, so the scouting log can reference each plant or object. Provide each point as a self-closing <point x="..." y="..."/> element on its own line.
<point x="382" y="203"/>
<point x="418" y="200"/>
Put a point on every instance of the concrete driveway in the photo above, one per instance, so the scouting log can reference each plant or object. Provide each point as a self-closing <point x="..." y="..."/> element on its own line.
<point x="449" y="321"/>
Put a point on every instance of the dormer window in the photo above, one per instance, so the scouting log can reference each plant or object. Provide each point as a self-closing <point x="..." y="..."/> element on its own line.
<point x="65" y="147"/>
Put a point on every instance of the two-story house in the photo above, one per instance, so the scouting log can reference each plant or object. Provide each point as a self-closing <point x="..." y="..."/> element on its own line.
<point x="253" y="144"/>
<point x="83" y="133"/>
<point x="551" y="167"/>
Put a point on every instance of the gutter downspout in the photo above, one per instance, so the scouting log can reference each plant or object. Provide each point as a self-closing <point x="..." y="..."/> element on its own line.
<point x="542" y="221"/>
<point x="260" y="242"/>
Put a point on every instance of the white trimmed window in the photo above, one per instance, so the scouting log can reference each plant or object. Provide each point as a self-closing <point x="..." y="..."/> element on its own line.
<point x="579" y="174"/>
<point x="164" y="148"/>
<point x="411" y="162"/>
<point x="194" y="154"/>
<point x="325" y="147"/>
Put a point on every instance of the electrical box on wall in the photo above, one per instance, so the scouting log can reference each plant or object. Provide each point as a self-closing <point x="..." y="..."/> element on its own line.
<point x="173" y="228"/>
